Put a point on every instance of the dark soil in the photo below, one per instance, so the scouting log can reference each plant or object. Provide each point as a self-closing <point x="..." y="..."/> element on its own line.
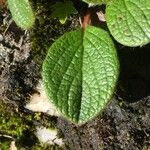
<point x="123" y="125"/>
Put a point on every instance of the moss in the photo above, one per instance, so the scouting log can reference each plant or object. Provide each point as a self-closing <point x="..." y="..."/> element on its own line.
<point x="39" y="146"/>
<point x="18" y="126"/>
<point x="46" y="30"/>
<point x="45" y="120"/>
<point x="146" y="147"/>
<point x="11" y="123"/>
<point x="4" y="145"/>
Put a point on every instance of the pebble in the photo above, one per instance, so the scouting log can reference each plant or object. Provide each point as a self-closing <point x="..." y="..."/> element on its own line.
<point x="39" y="102"/>
<point x="1" y="38"/>
<point x="48" y="136"/>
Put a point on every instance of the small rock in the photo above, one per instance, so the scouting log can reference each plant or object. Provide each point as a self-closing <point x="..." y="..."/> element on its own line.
<point x="1" y="38"/>
<point x="4" y="52"/>
<point x="101" y="16"/>
<point x="148" y="101"/>
<point x="39" y="102"/>
<point x="13" y="146"/>
<point x="48" y="136"/>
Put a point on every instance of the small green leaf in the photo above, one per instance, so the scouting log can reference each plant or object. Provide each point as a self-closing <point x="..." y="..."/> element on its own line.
<point x="22" y="13"/>
<point x="129" y="21"/>
<point x="62" y="10"/>
<point x="80" y="73"/>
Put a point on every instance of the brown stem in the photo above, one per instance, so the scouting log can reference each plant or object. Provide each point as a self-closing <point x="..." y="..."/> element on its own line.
<point x="86" y="20"/>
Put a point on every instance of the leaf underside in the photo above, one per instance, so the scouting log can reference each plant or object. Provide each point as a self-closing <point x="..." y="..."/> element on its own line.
<point x="80" y="73"/>
<point x="129" y="21"/>
<point x="22" y="13"/>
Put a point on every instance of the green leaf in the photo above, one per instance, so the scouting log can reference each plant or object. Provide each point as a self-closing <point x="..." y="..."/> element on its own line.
<point x="62" y="10"/>
<point x="22" y="13"/>
<point x="129" y="21"/>
<point x="80" y="73"/>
